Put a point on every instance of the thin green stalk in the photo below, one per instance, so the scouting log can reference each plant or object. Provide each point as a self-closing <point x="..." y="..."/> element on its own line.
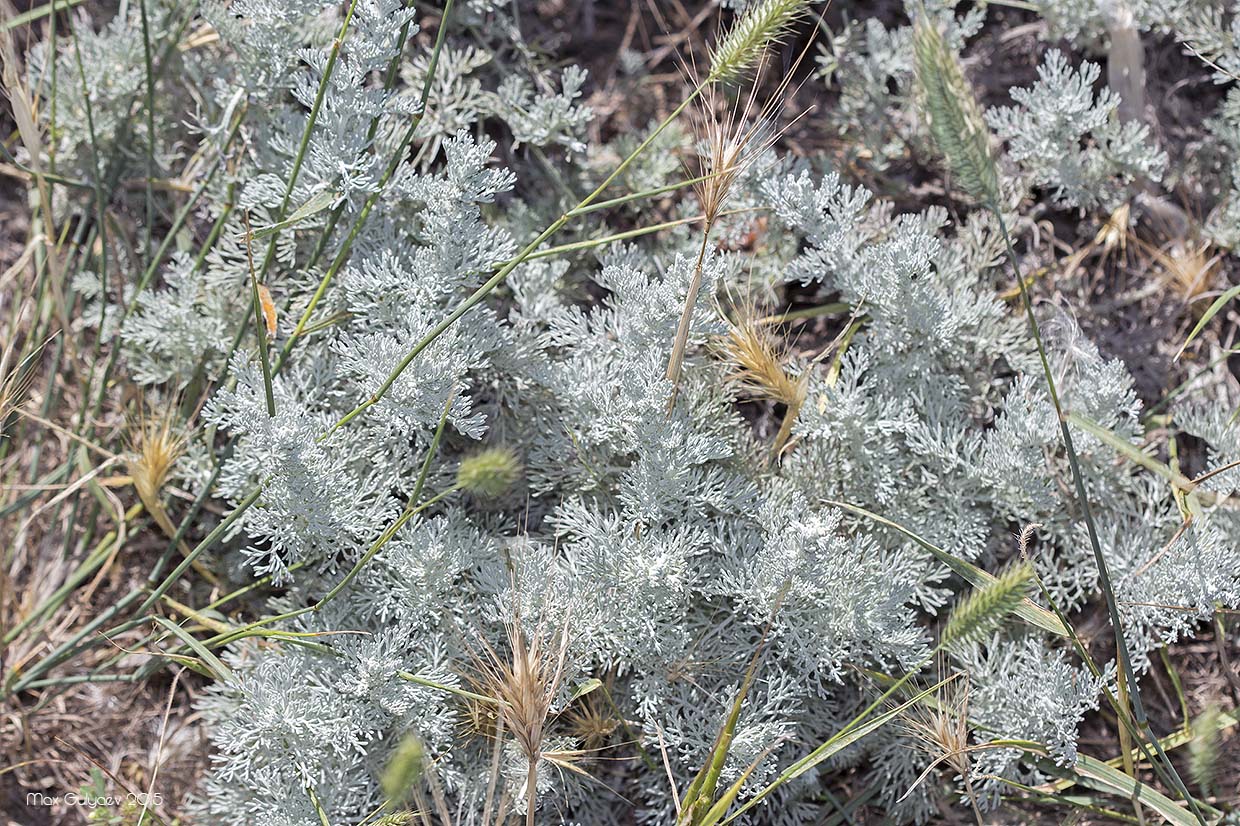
<point x="1122" y="719"/>
<point x="100" y="208"/>
<point x="1078" y="479"/>
<point x="37" y="13"/>
<point x="590" y="243"/>
<point x="410" y="509"/>
<point x="72" y="646"/>
<point x="460" y="692"/>
<point x="832" y="308"/>
<point x="260" y="326"/>
<point x="841" y="739"/>
<point x="50" y="177"/>
<point x="78" y="679"/>
<point x="246" y="630"/>
<point x="88" y="566"/>
<point x="645" y="193"/>
<point x="217" y="229"/>
<point x="155" y="260"/>
<point x="207" y="541"/>
<point x="318" y="807"/>
<point x="51" y="123"/>
<point x="150" y="128"/>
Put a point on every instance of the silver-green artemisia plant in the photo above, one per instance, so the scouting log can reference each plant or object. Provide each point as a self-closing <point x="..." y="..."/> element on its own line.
<point x="661" y="546"/>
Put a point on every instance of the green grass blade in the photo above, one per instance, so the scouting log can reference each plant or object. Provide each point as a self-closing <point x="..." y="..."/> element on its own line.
<point x="833" y="746"/>
<point x="975" y="576"/>
<point x="1210" y="313"/>
<point x="222" y="672"/>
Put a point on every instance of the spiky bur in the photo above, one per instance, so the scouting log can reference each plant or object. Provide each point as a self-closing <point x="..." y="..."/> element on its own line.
<point x="954" y="117"/>
<point x="489" y="473"/>
<point x="404" y="770"/>
<point x="591" y="723"/>
<point x="763" y="24"/>
<point x="985" y="609"/>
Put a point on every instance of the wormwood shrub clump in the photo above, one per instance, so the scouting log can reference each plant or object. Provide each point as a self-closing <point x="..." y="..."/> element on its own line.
<point x="558" y="515"/>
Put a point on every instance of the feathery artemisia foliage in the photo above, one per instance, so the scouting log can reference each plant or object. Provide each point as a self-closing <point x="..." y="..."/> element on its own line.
<point x="985" y="608"/>
<point x="763" y="24"/>
<point x="524" y="685"/>
<point x="954" y="116"/>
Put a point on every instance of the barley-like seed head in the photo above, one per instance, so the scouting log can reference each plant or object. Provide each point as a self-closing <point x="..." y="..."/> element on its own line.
<point x="766" y="22"/>
<point x="954" y="116"/>
<point x="985" y="608"/>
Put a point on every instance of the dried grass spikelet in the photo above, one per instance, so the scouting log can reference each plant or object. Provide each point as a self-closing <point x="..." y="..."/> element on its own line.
<point x="757" y="362"/>
<point x="955" y="119"/>
<point x="524" y="684"/>
<point x="758" y="368"/>
<point x="1024" y="540"/>
<point x="1113" y="236"/>
<point x="941" y="732"/>
<point x="155" y="445"/>
<point x="985" y="608"/>
<point x="763" y="24"/>
<point x="1192" y="266"/>
<point x="16" y="376"/>
<point x="733" y="140"/>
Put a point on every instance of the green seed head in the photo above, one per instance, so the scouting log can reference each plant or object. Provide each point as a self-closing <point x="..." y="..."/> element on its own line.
<point x="763" y="24"/>
<point x="404" y="769"/>
<point x="954" y="116"/>
<point x="489" y="473"/>
<point x="985" y="609"/>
